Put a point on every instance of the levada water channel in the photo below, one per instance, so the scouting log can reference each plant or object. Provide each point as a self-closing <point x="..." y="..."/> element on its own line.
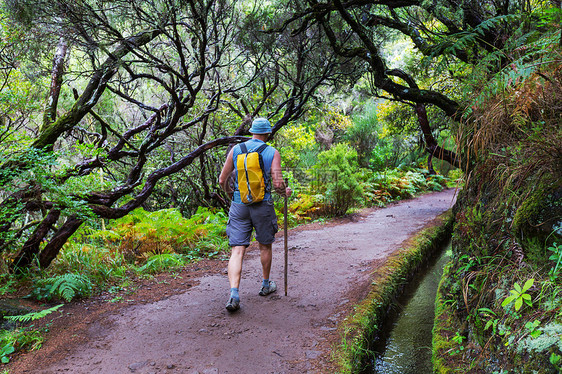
<point x="404" y="344"/>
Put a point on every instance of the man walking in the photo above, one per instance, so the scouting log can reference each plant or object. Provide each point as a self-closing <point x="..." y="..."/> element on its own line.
<point x="243" y="218"/>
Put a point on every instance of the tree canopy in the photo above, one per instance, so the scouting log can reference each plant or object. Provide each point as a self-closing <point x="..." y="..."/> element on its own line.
<point x="105" y="101"/>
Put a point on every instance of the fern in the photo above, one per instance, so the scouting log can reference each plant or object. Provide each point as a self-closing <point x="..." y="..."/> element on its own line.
<point x="33" y="315"/>
<point x="66" y="286"/>
<point x="159" y="262"/>
<point x="493" y="22"/>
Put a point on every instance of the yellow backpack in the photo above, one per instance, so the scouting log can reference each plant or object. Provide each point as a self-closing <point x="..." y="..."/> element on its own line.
<point x="252" y="182"/>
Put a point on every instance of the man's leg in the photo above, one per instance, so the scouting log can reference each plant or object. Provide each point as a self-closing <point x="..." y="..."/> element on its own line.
<point x="265" y="222"/>
<point x="266" y="256"/>
<point x="239" y="231"/>
<point x="234" y="275"/>
<point x="235" y="265"/>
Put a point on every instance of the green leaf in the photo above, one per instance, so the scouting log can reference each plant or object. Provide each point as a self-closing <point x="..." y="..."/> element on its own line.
<point x="517" y="287"/>
<point x="5" y="351"/>
<point x="518" y="303"/>
<point x="487" y="310"/>
<point x="508" y="300"/>
<point x="528" y="284"/>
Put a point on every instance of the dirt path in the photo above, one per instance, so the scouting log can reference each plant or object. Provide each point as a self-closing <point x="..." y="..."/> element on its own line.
<point x="191" y="332"/>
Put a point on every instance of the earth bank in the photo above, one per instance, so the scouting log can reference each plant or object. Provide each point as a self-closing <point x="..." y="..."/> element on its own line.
<point x="508" y="234"/>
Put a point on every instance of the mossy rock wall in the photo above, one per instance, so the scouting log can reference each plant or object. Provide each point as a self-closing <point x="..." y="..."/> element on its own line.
<point x="508" y="232"/>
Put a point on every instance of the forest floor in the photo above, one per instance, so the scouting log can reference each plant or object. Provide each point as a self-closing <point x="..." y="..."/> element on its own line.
<point x="177" y="323"/>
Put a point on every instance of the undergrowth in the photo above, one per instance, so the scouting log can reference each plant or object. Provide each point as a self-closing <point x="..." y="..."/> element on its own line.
<point x="502" y="296"/>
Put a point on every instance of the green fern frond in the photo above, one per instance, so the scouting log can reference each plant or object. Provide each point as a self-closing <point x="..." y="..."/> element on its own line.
<point x="68" y="286"/>
<point x="163" y="261"/>
<point x="33" y="315"/>
<point x="493" y="22"/>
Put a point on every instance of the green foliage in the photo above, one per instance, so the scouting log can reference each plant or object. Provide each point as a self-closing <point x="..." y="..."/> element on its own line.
<point x="33" y="315"/>
<point x="7" y="286"/>
<point x="532" y="327"/>
<point x="5" y="351"/>
<point x="458" y="338"/>
<point x="18" y="340"/>
<point x="466" y="39"/>
<point x="167" y="231"/>
<point x="519" y="295"/>
<point x="382" y="156"/>
<point x="157" y="241"/>
<point x="336" y="179"/>
<point x="306" y="207"/>
<point x="363" y="135"/>
<point x="40" y="184"/>
<point x="492" y="322"/>
<point x="83" y="254"/>
<point x="65" y="286"/>
<point x="555" y="360"/>
<point x="523" y="51"/>
<point x="298" y="146"/>
<point x="160" y="262"/>
<point x="556" y="256"/>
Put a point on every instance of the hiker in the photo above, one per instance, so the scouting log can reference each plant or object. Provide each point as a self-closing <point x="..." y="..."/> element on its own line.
<point x="243" y="217"/>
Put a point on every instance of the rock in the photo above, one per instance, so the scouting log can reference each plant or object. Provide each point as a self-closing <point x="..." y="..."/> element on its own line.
<point x="312" y="354"/>
<point x="137" y="365"/>
<point x="11" y="308"/>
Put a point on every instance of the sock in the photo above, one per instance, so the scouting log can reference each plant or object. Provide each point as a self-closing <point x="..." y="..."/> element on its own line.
<point x="265" y="283"/>
<point x="234" y="293"/>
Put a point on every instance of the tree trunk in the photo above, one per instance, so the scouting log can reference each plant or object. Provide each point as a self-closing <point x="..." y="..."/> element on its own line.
<point x="30" y="249"/>
<point x="430" y="143"/>
<point x="56" y="82"/>
<point x="52" y="249"/>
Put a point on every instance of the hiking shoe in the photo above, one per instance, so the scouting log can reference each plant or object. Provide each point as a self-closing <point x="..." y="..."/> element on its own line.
<point x="267" y="290"/>
<point x="233" y="305"/>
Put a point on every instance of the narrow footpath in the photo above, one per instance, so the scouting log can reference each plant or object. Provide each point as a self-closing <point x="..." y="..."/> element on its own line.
<point x="190" y="331"/>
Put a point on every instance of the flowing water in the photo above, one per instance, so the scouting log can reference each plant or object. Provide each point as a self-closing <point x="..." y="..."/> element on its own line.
<point x="405" y="345"/>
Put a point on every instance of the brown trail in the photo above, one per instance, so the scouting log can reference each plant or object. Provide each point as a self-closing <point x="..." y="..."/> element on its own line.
<point x="191" y="332"/>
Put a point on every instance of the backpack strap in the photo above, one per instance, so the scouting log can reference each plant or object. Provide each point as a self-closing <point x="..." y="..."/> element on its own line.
<point x="266" y="177"/>
<point x="261" y="148"/>
<point x="243" y="148"/>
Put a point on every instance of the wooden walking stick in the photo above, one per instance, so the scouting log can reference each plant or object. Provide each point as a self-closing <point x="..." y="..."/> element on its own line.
<point x="285" y="227"/>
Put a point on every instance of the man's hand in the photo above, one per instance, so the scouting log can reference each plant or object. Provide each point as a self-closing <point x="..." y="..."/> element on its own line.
<point x="288" y="191"/>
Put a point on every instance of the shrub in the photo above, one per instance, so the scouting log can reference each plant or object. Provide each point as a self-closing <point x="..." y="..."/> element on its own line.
<point x="299" y="147"/>
<point x="336" y="179"/>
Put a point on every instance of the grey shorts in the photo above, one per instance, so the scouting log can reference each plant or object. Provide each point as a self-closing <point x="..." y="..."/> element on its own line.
<point x="243" y="218"/>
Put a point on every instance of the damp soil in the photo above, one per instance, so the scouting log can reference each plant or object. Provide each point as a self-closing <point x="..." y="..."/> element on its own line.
<point x="177" y="323"/>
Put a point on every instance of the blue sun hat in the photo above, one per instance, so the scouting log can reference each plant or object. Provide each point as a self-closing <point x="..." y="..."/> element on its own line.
<point x="260" y="126"/>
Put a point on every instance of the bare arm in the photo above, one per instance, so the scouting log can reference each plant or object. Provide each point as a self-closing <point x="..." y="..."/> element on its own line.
<point x="277" y="176"/>
<point x="227" y="169"/>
